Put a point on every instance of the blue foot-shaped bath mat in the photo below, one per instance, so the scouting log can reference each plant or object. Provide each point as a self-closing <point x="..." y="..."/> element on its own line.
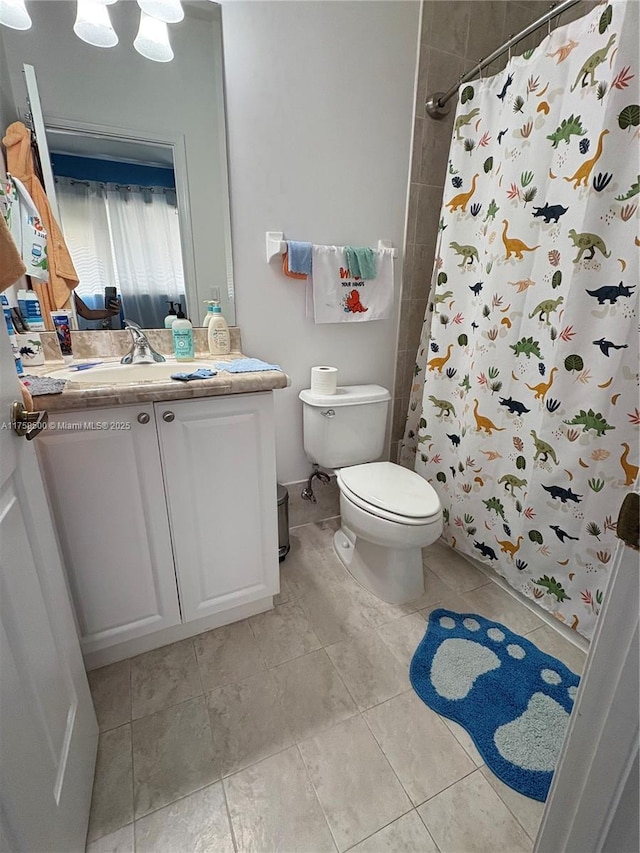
<point x="513" y="699"/>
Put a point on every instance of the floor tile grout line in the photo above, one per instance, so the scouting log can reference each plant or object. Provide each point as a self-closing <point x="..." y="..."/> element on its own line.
<point x="387" y="759"/>
<point x="506" y="804"/>
<point x="315" y="791"/>
<point x="234" y="840"/>
<point x="429" y="833"/>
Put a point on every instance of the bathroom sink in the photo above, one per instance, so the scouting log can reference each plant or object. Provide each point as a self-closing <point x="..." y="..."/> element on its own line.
<point x="125" y="374"/>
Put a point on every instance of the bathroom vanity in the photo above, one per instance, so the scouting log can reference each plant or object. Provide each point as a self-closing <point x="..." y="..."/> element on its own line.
<point x="165" y="508"/>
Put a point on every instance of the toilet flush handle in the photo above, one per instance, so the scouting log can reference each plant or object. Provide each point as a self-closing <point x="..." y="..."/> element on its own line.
<point x="330" y="413"/>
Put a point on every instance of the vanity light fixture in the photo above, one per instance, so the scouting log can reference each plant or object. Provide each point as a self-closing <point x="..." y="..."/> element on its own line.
<point x="93" y="24"/>
<point x="152" y="40"/>
<point x="13" y="13"/>
<point x="169" y="11"/>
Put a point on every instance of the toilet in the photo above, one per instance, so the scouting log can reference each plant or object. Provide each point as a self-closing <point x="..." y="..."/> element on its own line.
<point x="388" y="512"/>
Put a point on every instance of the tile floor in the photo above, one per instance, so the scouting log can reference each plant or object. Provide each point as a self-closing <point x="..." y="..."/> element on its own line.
<point x="298" y="730"/>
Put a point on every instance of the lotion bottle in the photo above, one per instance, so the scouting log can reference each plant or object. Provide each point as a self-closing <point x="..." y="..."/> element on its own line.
<point x="182" y="331"/>
<point x="171" y="316"/>
<point x="218" y="336"/>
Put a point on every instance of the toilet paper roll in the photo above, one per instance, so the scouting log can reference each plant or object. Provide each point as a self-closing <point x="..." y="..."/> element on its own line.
<point x="324" y="380"/>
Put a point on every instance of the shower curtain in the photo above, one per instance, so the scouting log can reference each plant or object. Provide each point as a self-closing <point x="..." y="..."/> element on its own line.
<point x="526" y="419"/>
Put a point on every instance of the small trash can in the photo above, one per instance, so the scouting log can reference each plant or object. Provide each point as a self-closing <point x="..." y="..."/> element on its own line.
<point x="283" y="522"/>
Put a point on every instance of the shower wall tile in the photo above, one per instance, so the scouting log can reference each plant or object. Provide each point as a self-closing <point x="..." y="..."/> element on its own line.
<point x="486" y="24"/>
<point x="450" y="26"/>
<point x="455" y="35"/>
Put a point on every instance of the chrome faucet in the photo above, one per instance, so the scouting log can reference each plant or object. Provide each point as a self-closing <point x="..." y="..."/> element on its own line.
<point x="141" y="351"/>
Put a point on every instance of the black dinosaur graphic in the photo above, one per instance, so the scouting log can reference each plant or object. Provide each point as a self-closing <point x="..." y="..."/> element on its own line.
<point x="485" y="550"/>
<point x="611" y="292"/>
<point x="513" y="406"/>
<point x="562" y="534"/>
<point x="564" y="495"/>
<point x="605" y="346"/>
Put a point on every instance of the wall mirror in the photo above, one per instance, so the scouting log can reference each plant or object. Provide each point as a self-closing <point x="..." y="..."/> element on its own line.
<point x="138" y="157"/>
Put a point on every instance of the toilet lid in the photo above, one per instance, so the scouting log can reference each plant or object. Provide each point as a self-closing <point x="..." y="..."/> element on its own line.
<point x="392" y="488"/>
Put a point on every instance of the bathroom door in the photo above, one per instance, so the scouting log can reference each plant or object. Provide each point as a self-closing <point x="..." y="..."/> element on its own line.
<point x="48" y="730"/>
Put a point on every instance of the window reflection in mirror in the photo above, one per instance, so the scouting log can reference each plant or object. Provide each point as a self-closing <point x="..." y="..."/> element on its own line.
<point x="162" y="115"/>
<point x="120" y="220"/>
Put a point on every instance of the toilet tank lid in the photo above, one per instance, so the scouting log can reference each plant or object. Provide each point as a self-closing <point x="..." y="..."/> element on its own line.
<point x="388" y="486"/>
<point x="346" y="395"/>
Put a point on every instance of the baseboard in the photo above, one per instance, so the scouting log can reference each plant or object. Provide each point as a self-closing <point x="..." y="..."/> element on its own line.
<point x="121" y="651"/>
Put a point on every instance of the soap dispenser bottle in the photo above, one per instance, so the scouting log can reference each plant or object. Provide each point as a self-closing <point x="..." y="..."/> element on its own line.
<point x="171" y="315"/>
<point x="182" y="332"/>
<point x="218" y="336"/>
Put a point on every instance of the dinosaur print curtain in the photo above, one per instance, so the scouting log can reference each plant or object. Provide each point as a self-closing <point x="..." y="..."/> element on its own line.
<point x="526" y="422"/>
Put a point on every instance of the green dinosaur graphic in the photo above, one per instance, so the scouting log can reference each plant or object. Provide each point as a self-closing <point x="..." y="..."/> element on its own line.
<point x="590" y="420"/>
<point x="589" y="67"/>
<point x="468" y="253"/>
<point x="442" y="297"/>
<point x="528" y="347"/>
<point x="463" y="120"/>
<point x="546" y="307"/>
<point x="554" y="587"/>
<point x="495" y="504"/>
<point x="586" y="242"/>
<point x="512" y="482"/>
<point x="571" y="126"/>
<point x="444" y="405"/>
<point x="543" y="449"/>
<point x="634" y="190"/>
<point x="491" y="211"/>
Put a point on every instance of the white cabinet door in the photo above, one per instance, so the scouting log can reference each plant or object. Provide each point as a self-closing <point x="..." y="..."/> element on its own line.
<point x="107" y="495"/>
<point x="218" y="458"/>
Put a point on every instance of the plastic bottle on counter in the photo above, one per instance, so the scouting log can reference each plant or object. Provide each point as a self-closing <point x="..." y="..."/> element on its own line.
<point x="33" y="317"/>
<point x="218" y="336"/>
<point x="182" y="331"/>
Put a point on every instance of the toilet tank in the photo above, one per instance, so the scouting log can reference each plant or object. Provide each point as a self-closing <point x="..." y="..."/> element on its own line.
<point x="345" y="428"/>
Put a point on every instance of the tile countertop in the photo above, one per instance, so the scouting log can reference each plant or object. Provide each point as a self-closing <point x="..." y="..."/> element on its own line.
<point x="87" y="396"/>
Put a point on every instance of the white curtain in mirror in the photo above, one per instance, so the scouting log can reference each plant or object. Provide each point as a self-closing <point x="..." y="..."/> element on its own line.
<point x="125" y="237"/>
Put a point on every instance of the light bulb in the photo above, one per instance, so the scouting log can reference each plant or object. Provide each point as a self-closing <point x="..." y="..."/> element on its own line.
<point x="93" y="24"/>
<point x="169" y="11"/>
<point x="13" y="13"/>
<point x="152" y="40"/>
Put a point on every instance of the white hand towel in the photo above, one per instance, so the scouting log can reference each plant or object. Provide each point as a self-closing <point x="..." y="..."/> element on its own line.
<point x="339" y="297"/>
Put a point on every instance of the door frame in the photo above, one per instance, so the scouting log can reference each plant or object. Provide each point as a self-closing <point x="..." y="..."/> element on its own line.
<point x="590" y="791"/>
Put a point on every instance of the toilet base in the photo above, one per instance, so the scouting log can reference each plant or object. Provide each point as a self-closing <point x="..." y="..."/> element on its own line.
<point x="393" y="575"/>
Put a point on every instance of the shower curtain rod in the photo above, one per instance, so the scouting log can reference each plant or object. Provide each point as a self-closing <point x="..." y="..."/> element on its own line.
<point x="436" y="104"/>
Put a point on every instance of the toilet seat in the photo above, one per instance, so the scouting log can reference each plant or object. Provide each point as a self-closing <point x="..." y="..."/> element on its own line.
<point x="390" y="492"/>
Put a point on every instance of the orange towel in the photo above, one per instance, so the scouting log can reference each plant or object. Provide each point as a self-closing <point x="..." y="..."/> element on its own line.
<point x="63" y="277"/>
<point x="11" y="266"/>
<point x="285" y="268"/>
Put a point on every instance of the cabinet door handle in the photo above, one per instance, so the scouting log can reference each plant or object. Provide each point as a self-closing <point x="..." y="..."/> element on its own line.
<point x="168" y="417"/>
<point x="144" y="418"/>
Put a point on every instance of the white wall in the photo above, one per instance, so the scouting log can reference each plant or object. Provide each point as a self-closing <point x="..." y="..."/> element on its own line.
<point x="118" y="87"/>
<point x="319" y="118"/>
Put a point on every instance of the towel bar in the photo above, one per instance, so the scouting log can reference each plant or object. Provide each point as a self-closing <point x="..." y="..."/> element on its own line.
<point x="276" y="245"/>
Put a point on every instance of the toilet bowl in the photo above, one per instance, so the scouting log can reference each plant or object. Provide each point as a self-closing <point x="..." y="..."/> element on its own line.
<point x="388" y="515"/>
